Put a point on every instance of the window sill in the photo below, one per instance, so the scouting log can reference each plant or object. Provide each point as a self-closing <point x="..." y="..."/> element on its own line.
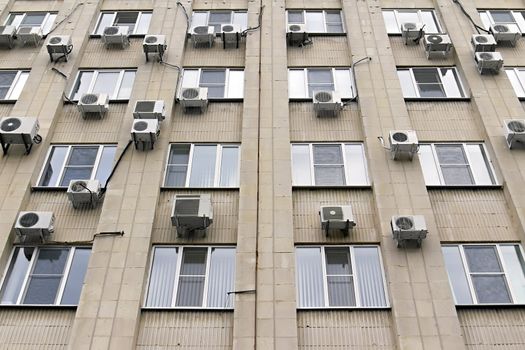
<point x="314" y="34"/>
<point x="490" y="306"/>
<point x="168" y="188"/>
<point x="344" y="308"/>
<point x="466" y="187"/>
<point x="399" y="34"/>
<point x="37" y="306"/>
<point x="48" y="188"/>
<point x="324" y="187"/>
<point x="7" y="102"/>
<point x="310" y="99"/>
<point x="437" y="99"/>
<point x="189" y="309"/>
<point x="131" y="36"/>
<point x="74" y="102"/>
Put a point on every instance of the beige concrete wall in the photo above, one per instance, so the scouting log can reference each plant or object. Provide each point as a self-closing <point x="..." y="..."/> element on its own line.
<point x="328" y="51"/>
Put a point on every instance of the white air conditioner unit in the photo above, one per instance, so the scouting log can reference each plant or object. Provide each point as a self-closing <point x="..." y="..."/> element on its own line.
<point x="230" y="35"/>
<point x="149" y="109"/>
<point x="489" y="62"/>
<point x="145" y="132"/>
<point x="84" y="192"/>
<point x="31" y="35"/>
<point x="437" y="45"/>
<point x="409" y="228"/>
<point x="154" y="44"/>
<point x="194" y="98"/>
<point x="90" y="103"/>
<point x="505" y="33"/>
<point x="327" y="103"/>
<point x="116" y="35"/>
<point x="515" y="132"/>
<point x="483" y="43"/>
<point x="296" y="35"/>
<point x="202" y="35"/>
<point x="7" y="36"/>
<point x="191" y="212"/>
<point x="412" y="32"/>
<point x="35" y="224"/>
<point x="403" y="144"/>
<point x="19" y="130"/>
<point x="338" y="217"/>
<point x="59" y="45"/>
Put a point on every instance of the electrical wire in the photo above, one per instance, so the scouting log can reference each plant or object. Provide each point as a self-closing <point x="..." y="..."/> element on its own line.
<point x="353" y="76"/>
<point x="478" y="28"/>
<point x="65" y="18"/>
<point x="69" y="50"/>
<point x="179" y="69"/>
<point x="103" y="189"/>
<point x="86" y="242"/>
<point x="65" y="77"/>
<point x="185" y="14"/>
<point x="245" y="32"/>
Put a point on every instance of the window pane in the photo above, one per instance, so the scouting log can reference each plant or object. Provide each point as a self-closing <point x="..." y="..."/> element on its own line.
<point x="124" y="92"/>
<point x="309" y="277"/>
<point x="106" y="83"/>
<point x="83" y="173"/>
<point x="179" y="154"/>
<point x="428" y="165"/>
<point x="194" y="261"/>
<point x="334" y="24"/>
<point x="229" y="167"/>
<point x="51" y="261"/>
<point x="203" y="166"/>
<point x="48" y="24"/>
<point x="491" y="289"/>
<point x="126" y="19"/>
<point x="54" y="166"/>
<point x="235" y="84"/>
<point x="341" y="291"/>
<point x="16" y="274"/>
<point x="6" y="79"/>
<point x="502" y="16"/>
<point x="429" y="82"/>
<point x="177" y="165"/>
<point x="315" y="22"/>
<point x="482" y="259"/>
<point x="479" y="165"/>
<point x="199" y="19"/>
<point x="451" y="82"/>
<point x="15" y="19"/>
<point x="428" y="18"/>
<point x="162" y="277"/>
<point x="327" y="154"/>
<point x="222" y="17"/>
<point x="407" y="85"/>
<point x="190" y="291"/>
<point x="214" y="80"/>
<point x="105" y="165"/>
<point x="143" y="24"/>
<point x="83" y="156"/>
<point x="485" y="19"/>
<point x="106" y="20"/>
<point x="356" y="162"/>
<point x="19" y="85"/>
<point x="515" y="267"/>
<point x="390" y="22"/>
<point x="457" y="175"/>
<point x="75" y="278"/>
<point x="240" y="18"/>
<point x="338" y="261"/>
<point x="33" y="19"/>
<point x="344" y="83"/>
<point x="370" y="276"/>
<point x="81" y="85"/>
<point x="457" y="275"/>
<point x="320" y="77"/>
<point x="407" y="16"/>
<point x="431" y="90"/>
<point x="329" y="175"/>
<point x="301" y="165"/>
<point x="451" y="154"/>
<point x="190" y="78"/>
<point x="221" y="277"/>
<point x="297" y="84"/>
<point x="295" y="17"/>
<point x="515" y="81"/>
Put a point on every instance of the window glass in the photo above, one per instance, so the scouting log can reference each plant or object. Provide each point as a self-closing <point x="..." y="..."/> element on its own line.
<point x="429" y="19"/>
<point x="162" y="277"/>
<point x="491" y="289"/>
<point x="19" y="85"/>
<point x="192" y="276"/>
<point x="117" y="84"/>
<point x="82" y="84"/>
<point x="297" y="83"/>
<point x="407" y="85"/>
<point x="221" y="278"/>
<point x="126" y="86"/>
<point x="309" y="277"/>
<point x="343" y="83"/>
<point x="457" y="275"/>
<point x="328" y="165"/>
<point x="407" y="16"/>
<point x="199" y="19"/>
<point x="54" y="165"/>
<point x="16" y="274"/>
<point x="76" y="275"/>
<point x="216" y="18"/>
<point x="296" y="17"/>
<point x="126" y="19"/>
<point x="6" y="80"/>
<point x="214" y="80"/>
<point x="105" y="165"/>
<point x="515" y="266"/>
<point x="319" y="79"/>
<point x="106" y="20"/>
<point x="203" y="166"/>
<point x="370" y="276"/>
<point x="334" y="23"/>
<point x="229" y="167"/>
<point x="479" y="164"/>
<point x="451" y="83"/>
<point x="106" y="82"/>
<point x="15" y="19"/>
<point x="80" y="164"/>
<point x="517" y="77"/>
<point x="429" y="82"/>
<point x="34" y="19"/>
<point x="143" y="24"/>
<point x="355" y="157"/>
<point x="315" y="21"/>
<point x="301" y="165"/>
<point x="454" y="165"/>
<point x="429" y="165"/>
<point x="177" y="165"/>
<point x="241" y="18"/>
<point x="390" y="22"/>
<point x="235" y="84"/>
<point x="502" y="16"/>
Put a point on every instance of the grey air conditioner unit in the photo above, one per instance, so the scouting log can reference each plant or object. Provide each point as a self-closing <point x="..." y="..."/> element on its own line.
<point x="230" y="35"/>
<point x="7" y="36"/>
<point x="202" y="36"/>
<point x="412" y="32"/>
<point x="296" y="35"/>
<point x="149" y="109"/>
<point x="437" y="45"/>
<point x="194" y="98"/>
<point x="407" y="228"/>
<point x="489" y="62"/>
<point x="155" y="44"/>
<point x="403" y="144"/>
<point x="19" y="131"/>
<point x="505" y="33"/>
<point x="84" y="193"/>
<point x="29" y="35"/>
<point x="59" y="46"/>
<point x="191" y="213"/>
<point x="144" y="133"/>
<point x="116" y="36"/>
<point x="90" y="103"/>
<point x="515" y="132"/>
<point x="327" y="103"/>
<point x="483" y="43"/>
<point x="33" y="225"/>
<point x="336" y="217"/>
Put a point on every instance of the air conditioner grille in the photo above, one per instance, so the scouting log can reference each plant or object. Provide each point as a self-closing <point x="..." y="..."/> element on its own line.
<point x="501" y="28"/>
<point x="481" y="39"/>
<point x="28" y="219"/>
<point x="187" y="206"/>
<point x="55" y="40"/>
<point x="410" y="26"/>
<point x="295" y="28"/>
<point x="227" y="28"/>
<point x="400" y="137"/>
<point x="323" y="96"/>
<point x="78" y="186"/>
<point x="201" y="30"/>
<point x="435" y="39"/>
<point x="110" y="30"/>
<point x="190" y="93"/>
<point x="516" y="126"/>
<point x="485" y="56"/>
<point x="10" y="124"/>
<point x="333" y="213"/>
<point x="404" y="223"/>
<point x="140" y="126"/>
<point x="151" y="40"/>
<point x="89" y="99"/>
<point x="145" y="106"/>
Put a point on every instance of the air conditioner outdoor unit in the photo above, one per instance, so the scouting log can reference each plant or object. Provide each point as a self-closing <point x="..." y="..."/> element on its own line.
<point x="409" y="228"/>
<point x="483" y="43"/>
<point x="116" y="35"/>
<point x="31" y="35"/>
<point x="336" y="217"/>
<point x="154" y="44"/>
<point x="144" y="133"/>
<point x="437" y="45"/>
<point x="84" y="192"/>
<point x="35" y="224"/>
<point x="7" y="36"/>
<point x="149" y="109"/>
<point x="489" y="62"/>
<point x="412" y="32"/>
<point x="515" y="132"/>
<point x="327" y="103"/>
<point x="505" y="33"/>
<point x="19" y="131"/>
<point x="296" y="35"/>
<point x="90" y="103"/>
<point x="403" y="144"/>
<point x="59" y="45"/>
<point x="191" y="213"/>
<point x="203" y="35"/>
<point x="194" y="98"/>
<point x="230" y="35"/>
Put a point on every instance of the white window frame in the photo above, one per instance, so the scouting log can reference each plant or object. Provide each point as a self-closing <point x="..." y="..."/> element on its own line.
<point x="96" y="72"/>
<point x="337" y="88"/>
<point x="30" y="268"/>
<point x="418" y="11"/>
<point x="244" y="26"/>
<point x="48" y="21"/>
<point x="415" y="86"/>
<point x="227" y="82"/>
<point x="134" y="32"/>
<point x="488" y="20"/>
<point x="325" y="31"/>
<point x="66" y="159"/>
<point x="218" y="162"/>
<point x="180" y="254"/>
<point x="517" y="80"/>
<point x="354" y="275"/>
<point x="17" y="85"/>
<point x="468" y="274"/>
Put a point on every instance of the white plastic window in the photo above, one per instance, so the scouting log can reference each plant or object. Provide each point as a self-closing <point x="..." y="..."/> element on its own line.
<point x="77" y="162"/>
<point x="512" y="18"/>
<point x="221" y="83"/>
<point x="329" y="164"/>
<point x="517" y="79"/>
<point x="116" y="83"/>
<point x="456" y="164"/>
<point x="431" y="83"/>
<point x="317" y="21"/>
<point x="191" y="277"/>
<point x="486" y="273"/>
<point x="395" y="18"/>
<point x="136" y="21"/>
<point x="44" y="20"/>
<point x="216" y="18"/>
<point x="12" y="83"/>
<point x="302" y="82"/>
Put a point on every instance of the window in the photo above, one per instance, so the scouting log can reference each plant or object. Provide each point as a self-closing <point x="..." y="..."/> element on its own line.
<point x="433" y="83"/>
<point x="486" y="273"/>
<point x="517" y="79"/>
<point x="202" y="165"/>
<point x="11" y="83"/>
<point x="456" y="164"/>
<point x="136" y="21"/>
<point x="44" y="20"/>
<point x="221" y="83"/>
<point x="340" y="276"/>
<point x="216" y="18"/>
<point x="512" y="18"/>
<point x="303" y="82"/>
<point x="394" y="18"/>
<point x="71" y="162"/>
<point x="329" y="21"/>
<point x="117" y="83"/>
<point x="325" y="164"/>
<point x="191" y="277"/>
<point x="45" y="276"/>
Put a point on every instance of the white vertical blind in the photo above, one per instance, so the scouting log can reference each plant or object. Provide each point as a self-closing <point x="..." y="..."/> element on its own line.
<point x="229" y="166"/>
<point x="221" y="277"/>
<point x="370" y="276"/>
<point x="309" y="277"/>
<point x="162" y="277"/>
<point x="203" y="166"/>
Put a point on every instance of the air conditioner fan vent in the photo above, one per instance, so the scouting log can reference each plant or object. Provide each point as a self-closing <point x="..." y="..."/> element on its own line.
<point x="516" y="126"/>
<point x="89" y="99"/>
<point x="28" y="219"/>
<point x="111" y="31"/>
<point x="323" y="96"/>
<point x="140" y="126"/>
<point x="404" y="223"/>
<point x="10" y="124"/>
<point x="400" y="137"/>
<point x="190" y="93"/>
